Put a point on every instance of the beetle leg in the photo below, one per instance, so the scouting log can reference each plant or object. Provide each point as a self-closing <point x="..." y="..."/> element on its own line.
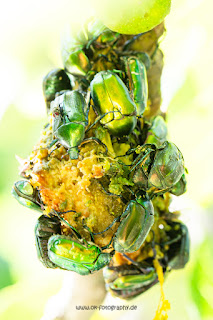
<point x="52" y="151"/>
<point x="52" y="143"/>
<point x="66" y="222"/>
<point x="128" y="152"/>
<point x="111" y="194"/>
<point x="179" y="237"/>
<point x="143" y="270"/>
<point x="153" y="193"/>
<point x="101" y="56"/>
<point x="111" y="224"/>
<point x="143" y="149"/>
<point x="107" y="246"/>
<point x="128" y="43"/>
<point x="135" y="166"/>
<point x="91" y="139"/>
<point x="92" y="234"/>
<point x="64" y="155"/>
<point x="92" y="238"/>
<point x="98" y="119"/>
<point x="48" y="147"/>
<point x="88" y="229"/>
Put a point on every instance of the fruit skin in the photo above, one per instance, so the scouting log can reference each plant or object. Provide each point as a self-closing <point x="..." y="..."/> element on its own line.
<point x="131" y="16"/>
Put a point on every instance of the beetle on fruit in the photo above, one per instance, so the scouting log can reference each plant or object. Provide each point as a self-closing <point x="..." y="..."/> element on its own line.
<point x="100" y="101"/>
<point x="127" y="281"/>
<point x="67" y="252"/>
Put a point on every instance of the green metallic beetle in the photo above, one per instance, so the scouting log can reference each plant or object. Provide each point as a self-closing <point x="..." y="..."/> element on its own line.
<point x="69" y="120"/>
<point x="112" y="101"/>
<point x="107" y="37"/>
<point x="78" y="50"/>
<point x="77" y="63"/>
<point x="157" y="133"/>
<point x="74" y="58"/>
<point x="177" y="255"/>
<point x="53" y="249"/>
<point x="138" y="85"/>
<point x="55" y="81"/>
<point x="26" y="195"/>
<point x="67" y="252"/>
<point x="76" y="255"/>
<point x="161" y="168"/>
<point x="180" y="187"/>
<point x="129" y="280"/>
<point x="168" y="166"/>
<point x="44" y="229"/>
<point x="136" y="222"/>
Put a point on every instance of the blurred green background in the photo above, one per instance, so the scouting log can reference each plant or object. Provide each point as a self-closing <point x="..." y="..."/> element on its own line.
<point x="30" y="47"/>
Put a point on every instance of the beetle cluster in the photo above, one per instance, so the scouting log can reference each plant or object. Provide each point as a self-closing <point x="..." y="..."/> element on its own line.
<point x="101" y="99"/>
